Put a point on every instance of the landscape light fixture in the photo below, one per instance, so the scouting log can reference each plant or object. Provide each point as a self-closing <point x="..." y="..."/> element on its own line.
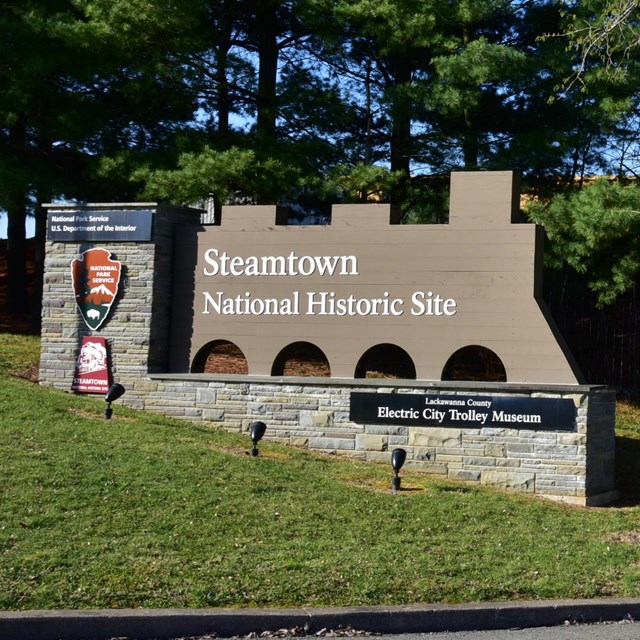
<point x="398" y="456"/>
<point x="115" y="391"/>
<point x="256" y="431"/>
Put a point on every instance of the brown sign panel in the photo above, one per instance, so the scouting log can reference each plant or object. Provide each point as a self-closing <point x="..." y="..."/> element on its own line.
<point x="361" y="282"/>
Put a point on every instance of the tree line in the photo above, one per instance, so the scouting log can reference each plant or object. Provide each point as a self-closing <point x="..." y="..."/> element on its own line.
<point x="306" y="103"/>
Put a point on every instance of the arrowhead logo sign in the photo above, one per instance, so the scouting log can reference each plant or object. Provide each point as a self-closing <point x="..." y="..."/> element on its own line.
<point x="95" y="279"/>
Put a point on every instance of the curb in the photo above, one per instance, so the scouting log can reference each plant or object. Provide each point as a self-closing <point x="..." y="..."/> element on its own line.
<point x="165" y="624"/>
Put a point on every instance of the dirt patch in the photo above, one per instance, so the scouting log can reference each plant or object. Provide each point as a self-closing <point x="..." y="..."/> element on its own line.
<point x="31" y="373"/>
<point x="627" y="537"/>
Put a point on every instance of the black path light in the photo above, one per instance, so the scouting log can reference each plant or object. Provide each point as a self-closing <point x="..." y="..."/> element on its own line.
<point x="256" y="431"/>
<point x="115" y="391"/>
<point x="398" y="456"/>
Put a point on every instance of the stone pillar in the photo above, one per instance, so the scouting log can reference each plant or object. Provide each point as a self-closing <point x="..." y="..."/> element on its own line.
<point x="137" y="329"/>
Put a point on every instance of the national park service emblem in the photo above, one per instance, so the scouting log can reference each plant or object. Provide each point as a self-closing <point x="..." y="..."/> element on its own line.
<point x="95" y="284"/>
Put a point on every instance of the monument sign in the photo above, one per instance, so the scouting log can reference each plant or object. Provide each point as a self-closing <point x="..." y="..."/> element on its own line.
<point x="159" y="297"/>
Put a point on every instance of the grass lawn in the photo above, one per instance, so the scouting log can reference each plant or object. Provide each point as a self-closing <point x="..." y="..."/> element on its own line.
<point x="143" y="511"/>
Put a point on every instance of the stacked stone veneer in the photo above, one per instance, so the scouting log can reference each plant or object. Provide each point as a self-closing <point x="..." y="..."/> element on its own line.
<point x="138" y="327"/>
<point x="573" y="466"/>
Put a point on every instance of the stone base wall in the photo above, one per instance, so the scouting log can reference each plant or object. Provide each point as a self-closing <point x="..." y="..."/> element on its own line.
<point x="576" y="467"/>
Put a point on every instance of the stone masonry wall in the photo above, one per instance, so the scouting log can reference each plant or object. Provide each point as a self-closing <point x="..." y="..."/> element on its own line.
<point x="576" y="467"/>
<point x="573" y="466"/>
<point x="138" y="327"/>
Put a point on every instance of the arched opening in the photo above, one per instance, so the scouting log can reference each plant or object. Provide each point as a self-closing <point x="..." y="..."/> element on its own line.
<point x="386" y="361"/>
<point x="301" y="359"/>
<point x="475" y="363"/>
<point x="220" y="356"/>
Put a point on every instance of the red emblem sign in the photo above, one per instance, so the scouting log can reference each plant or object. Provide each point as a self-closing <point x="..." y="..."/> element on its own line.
<point x="92" y="367"/>
<point x="95" y="283"/>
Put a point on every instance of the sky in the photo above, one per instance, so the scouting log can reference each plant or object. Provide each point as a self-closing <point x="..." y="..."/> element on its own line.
<point x="30" y="226"/>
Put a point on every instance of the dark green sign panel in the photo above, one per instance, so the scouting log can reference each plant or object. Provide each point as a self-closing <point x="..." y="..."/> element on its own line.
<point x="442" y="410"/>
<point x="100" y="226"/>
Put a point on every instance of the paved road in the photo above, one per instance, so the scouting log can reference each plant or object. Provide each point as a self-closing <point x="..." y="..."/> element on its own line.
<point x="613" y="631"/>
<point x="624" y="630"/>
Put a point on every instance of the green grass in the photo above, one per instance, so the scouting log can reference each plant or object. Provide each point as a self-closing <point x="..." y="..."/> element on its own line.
<point x="143" y="511"/>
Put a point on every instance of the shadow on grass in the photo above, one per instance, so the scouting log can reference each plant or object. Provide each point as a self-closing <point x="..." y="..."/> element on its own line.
<point x="17" y="324"/>
<point x="628" y="471"/>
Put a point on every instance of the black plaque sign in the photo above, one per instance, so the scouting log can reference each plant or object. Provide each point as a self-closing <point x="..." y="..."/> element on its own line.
<point x="99" y="226"/>
<point x="436" y="410"/>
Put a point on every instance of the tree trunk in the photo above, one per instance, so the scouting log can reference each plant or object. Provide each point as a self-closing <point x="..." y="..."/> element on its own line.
<point x="267" y="22"/>
<point x="39" y="240"/>
<point x="470" y="142"/>
<point x="223" y="103"/>
<point x="470" y="150"/>
<point x="401" y="126"/>
<point x="17" y="294"/>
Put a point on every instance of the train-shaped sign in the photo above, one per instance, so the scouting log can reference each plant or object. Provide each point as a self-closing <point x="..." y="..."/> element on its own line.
<point x="365" y="281"/>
